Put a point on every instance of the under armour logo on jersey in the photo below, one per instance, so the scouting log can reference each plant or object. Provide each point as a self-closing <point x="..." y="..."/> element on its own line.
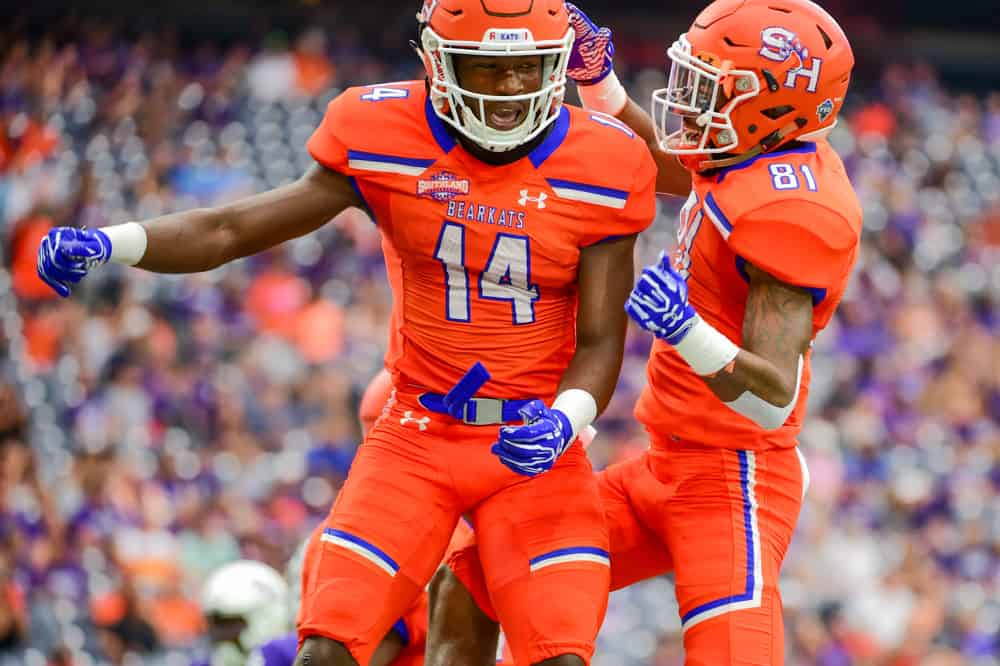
<point x="539" y="200"/>
<point x="408" y="417"/>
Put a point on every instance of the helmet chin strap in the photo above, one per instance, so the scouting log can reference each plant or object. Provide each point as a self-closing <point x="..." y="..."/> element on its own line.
<point x="767" y="143"/>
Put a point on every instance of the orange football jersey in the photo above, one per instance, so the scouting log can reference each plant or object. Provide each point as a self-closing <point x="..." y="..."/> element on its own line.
<point x="791" y="213"/>
<point x="483" y="259"/>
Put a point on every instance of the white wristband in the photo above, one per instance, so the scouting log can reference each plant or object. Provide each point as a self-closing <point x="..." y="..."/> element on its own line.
<point x="578" y="406"/>
<point x="607" y="95"/>
<point x="705" y="349"/>
<point x="128" y="243"/>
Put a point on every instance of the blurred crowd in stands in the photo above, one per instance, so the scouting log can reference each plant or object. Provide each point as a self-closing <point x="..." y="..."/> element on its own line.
<point x="154" y="427"/>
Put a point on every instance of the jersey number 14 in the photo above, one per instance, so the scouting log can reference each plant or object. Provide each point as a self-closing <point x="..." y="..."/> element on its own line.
<point x="507" y="276"/>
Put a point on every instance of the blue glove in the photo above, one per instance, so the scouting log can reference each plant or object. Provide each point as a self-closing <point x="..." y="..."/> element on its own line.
<point x="593" y="51"/>
<point x="67" y="254"/>
<point x="659" y="302"/>
<point x="534" y="447"/>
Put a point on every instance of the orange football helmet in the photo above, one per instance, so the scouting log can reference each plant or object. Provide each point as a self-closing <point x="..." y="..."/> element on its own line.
<point x="495" y="28"/>
<point x="749" y="76"/>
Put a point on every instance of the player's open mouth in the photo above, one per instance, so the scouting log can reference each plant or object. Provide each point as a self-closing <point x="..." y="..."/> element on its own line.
<point x="505" y="116"/>
<point x="690" y="137"/>
<point x="691" y="133"/>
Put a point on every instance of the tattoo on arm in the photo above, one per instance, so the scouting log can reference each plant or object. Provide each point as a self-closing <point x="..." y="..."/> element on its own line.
<point x="777" y="323"/>
<point x="777" y="328"/>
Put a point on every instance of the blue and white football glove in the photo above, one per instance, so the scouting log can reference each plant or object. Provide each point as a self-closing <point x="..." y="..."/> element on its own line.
<point x="659" y="302"/>
<point x="67" y="254"/>
<point x="591" y="58"/>
<point x="534" y="447"/>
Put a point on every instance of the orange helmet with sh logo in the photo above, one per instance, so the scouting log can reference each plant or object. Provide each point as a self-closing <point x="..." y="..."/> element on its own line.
<point x="749" y="76"/>
<point x="497" y="28"/>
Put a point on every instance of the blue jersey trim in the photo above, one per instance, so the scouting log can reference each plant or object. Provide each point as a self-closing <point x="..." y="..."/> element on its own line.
<point x="720" y="216"/>
<point x="818" y="293"/>
<point x="609" y="239"/>
<point x="438" y="129"/>
<point x="357" y="188"/>
<point x="591" y="189"/>
<point x="404" y="633"/>
<point x="804" y="148"/>
<point x="389" y="159"/>
<point x="557" y="134"/>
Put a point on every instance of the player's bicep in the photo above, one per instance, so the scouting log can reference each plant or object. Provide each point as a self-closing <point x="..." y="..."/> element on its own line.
<point x="605" y="279"/>
<point x="331" y="190"/>
<point x="778" y="320"/>
<point x="267" y="219"/>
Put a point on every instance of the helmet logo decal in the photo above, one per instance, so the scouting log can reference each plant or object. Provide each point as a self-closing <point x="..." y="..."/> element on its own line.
<point x="779" y="44"/>
<point x="824" y="110"/>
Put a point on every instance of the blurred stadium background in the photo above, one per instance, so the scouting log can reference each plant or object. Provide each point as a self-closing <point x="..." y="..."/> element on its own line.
<point x="155" y="427"/>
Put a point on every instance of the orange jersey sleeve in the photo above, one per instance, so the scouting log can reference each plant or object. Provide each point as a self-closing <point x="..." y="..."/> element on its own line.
<point x="327" y="145"/>
<point x="799" y="242"/>
<point x="353" y="130"/>
<point x="640" y="209"/>
<point x="611" y="173"/>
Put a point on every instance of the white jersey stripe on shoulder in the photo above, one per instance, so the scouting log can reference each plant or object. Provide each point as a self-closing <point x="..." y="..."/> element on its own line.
<point x="589" y="197"/>
<point x="385" y="167"/>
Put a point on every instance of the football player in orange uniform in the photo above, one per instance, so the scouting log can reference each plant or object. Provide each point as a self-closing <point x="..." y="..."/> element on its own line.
<point x="404" y="646"/>
<point x="766" y="242"/>
<point x="508" y="221"/>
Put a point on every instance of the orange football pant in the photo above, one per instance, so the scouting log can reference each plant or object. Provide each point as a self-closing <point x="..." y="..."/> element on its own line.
<point x="720" y="519"/>
<point x="543" y="543"/>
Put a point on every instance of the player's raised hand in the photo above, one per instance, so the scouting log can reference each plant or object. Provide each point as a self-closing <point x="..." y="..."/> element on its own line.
<point x="534" y="447"/>
<point x="67" y="254"/>
<point x="659" y="302"/>
<point x="593" y="49"/>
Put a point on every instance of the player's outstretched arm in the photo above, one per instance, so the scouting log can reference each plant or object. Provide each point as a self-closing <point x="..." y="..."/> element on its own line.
<point x="591" y="67"/>
<point x="199" y="239"/>
<point x="203" y="239"/>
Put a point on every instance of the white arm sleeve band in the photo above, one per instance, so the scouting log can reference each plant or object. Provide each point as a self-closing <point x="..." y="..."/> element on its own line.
<point x="763" y="413"/>
<point x="578" y="406"/>
<point x="705" y="349"/>
<point x="128" y="243"/>
<point x="607" y="96"/>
